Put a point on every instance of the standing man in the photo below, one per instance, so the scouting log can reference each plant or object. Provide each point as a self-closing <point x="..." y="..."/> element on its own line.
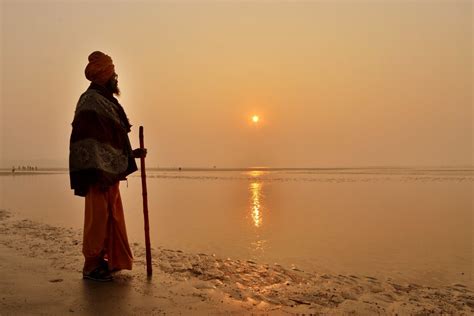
<point x="100" y="155"/>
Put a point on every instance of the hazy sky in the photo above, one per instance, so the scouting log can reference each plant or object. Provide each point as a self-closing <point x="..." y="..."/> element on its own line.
<point x="336" y="83"/>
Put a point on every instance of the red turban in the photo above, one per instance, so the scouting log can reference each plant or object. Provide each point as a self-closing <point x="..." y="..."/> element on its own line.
<point x="100" y="68"/>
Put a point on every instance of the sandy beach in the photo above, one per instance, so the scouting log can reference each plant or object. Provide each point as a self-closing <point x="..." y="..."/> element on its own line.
<point x="42" y="275"/>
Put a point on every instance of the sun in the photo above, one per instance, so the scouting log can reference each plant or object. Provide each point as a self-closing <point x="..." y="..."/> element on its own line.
<point x="255" y="119"/>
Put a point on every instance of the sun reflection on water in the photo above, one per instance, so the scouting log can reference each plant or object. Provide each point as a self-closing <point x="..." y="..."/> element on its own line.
<point x="256" y="189"/>
<point x="255" y="173"/>
<point x="257" y="211"/>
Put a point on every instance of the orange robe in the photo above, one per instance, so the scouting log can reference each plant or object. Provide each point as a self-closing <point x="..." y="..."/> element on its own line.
<point x="105" y="235"/>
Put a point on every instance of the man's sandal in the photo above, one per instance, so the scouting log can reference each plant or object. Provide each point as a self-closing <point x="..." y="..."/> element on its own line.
<point x="98" y="274"/>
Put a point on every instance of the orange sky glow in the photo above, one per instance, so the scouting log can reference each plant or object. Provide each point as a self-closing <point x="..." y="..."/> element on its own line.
<point x="334" y="83"/>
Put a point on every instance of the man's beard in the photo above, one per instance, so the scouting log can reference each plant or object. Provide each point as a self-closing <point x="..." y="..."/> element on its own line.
<point x="112" y="86"/>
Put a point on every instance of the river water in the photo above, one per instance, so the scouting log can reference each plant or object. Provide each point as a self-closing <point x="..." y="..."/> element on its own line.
<point x="410" y="224"/>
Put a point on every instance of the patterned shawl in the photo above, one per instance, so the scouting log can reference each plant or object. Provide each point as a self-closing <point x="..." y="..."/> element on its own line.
<point x="99" y="149"/>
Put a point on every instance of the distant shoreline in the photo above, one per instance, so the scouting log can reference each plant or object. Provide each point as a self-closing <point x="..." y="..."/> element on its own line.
<point x="26" y="173"/>
<point x="314" y="173"/>
<point x="446" y="170"/>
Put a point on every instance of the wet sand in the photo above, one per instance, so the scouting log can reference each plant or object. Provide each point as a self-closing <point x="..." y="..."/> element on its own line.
<point x="42" y="274"/>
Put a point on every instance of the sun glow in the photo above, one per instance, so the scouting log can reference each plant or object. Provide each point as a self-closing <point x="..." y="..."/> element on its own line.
<point x="255" y="119"/>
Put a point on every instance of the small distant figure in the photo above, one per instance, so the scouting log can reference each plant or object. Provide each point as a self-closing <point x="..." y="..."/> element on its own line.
<point x="179" y="168"/>
<point x="13" y="169"/>
<point x="100" y="157"/>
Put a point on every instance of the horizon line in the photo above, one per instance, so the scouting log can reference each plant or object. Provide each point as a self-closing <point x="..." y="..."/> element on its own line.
<point x="184" y="168"/>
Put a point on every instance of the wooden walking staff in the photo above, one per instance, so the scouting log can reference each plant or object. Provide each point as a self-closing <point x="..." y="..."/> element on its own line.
<point x="145" y="207"/>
